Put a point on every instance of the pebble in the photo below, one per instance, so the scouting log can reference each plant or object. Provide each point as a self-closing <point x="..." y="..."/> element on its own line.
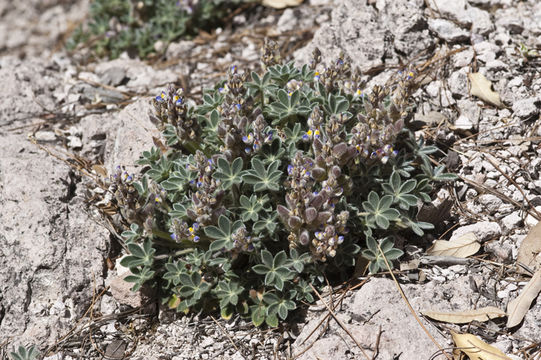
<point x="527" y="108"/>
<point x="447" y="30"/>
<point x="484" y="230"/>
<point x="511" y="221"/>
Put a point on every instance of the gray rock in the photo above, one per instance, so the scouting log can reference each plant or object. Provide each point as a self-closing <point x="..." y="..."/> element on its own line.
<point x="463" y="58"/>
<point x="366" y="311"/>
<point x="179" y="49"/>
<point x="527" y="108"/>
<point x="496" y="65"/>
<point x="511" y="221"/>
<point x="370" y="35"/>
<point x="464" y="14"/>
<point x="458" y="82"/>
<point x="288" y="21"/>
<point x="491" y="202"/>
<point x="484" y="230"/>
<point x="113" y="76"/>
<point x="486" y="51"/>
<point x="439" y="93"/>
<point x="447" y="30"/>
<point x="50" y="247"/>
<point x="470" y="109"/>
<point x="464" y="123"/>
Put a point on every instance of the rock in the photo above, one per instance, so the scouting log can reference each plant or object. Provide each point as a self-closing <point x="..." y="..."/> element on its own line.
<point x="437" y="91"/>
<point x="179" y="49"/>
<point x="369" y="36"/>
<point x="484" y="230"/>
<point x="114" y="76"/>
<point x="462" y="58"/>
<point x="458" y="82"/>
<point x="530" y="221"/>
<point x="496" y="65"/>
<point x="527" y="108"/>
<point x="464" y="14"/>
<point x="288" y="21"/>
<point x="50" y="247"/>
<point x="129" y="133"/>
<point x="142" y="77"/>
<point x="491" y="202"/>
<point x="464" y="123"/>
<point x="469" y="109"/>
<point x="448" y="31"/>
<point x="508" y="20"/>
<point x="367" y="314"/>
<point x="486" y="51"/>
<point x="511" y="221"/>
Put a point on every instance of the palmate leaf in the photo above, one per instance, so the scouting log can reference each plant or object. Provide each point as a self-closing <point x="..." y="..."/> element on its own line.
<point x="379" y="211"/>
<point x="275" y="269"/>
<point x="373" y="254"/>
<point x="401" y="191"/>
<point x="193" y="286"/>
<point x="228" y="174"/>
<point x="140" y="256"/>
<point x="228" y="293"/>
<point x="278" y="305"/>
<point x="221" y="234"/>
<point x="263" y="178"/>
<point x="139" y="277"/>
<point x="25" y="354"/>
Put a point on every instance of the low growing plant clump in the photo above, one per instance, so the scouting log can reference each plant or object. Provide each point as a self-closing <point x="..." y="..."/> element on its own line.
<point x="273" y="183"/>
<point x="129" y="25"/>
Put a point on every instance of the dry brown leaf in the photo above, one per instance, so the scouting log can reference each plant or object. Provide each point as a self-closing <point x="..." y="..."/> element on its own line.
<point x="482" y="88"/>
<point x="280" y="4"/>
<point x="517" y="309"/>
<point x="530" y="249"/>
<point x="464" y="317"/>
<point x="463" y="246"/>
<point x="475" y="348"/>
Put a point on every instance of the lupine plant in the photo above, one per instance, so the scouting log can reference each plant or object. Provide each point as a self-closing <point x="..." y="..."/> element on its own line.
<point x="128" y="25"/>
<point x="273" y="184"/>
<point x="23" y="353"/>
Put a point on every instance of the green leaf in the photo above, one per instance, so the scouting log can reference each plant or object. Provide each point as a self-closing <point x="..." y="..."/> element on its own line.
<point x="258" y="315"/>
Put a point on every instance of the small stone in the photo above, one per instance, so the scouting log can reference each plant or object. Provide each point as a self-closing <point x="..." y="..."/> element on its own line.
<point x="114" y="76"/>
<point x="527" y="108"/>
<point x="45" y="136"/>
<point x="74" y="142"/>
<point x="121" y="291"/>
<point x="463" y="58"/>
<point x="484" y="230"/>
<point x="159" y="46"/>
<point x="447" y="30"/>
<point x="179" y="49"/>
<point x="463" y="123"/>
<point x="288" y="21"/>
<point x="530" y="220"/>
<point x="486" y="51"/>
<point x="458" y="82"/>
<point x="491" y="202"/>
<point x="496" y="65"/>
<point x="511" y="221"/>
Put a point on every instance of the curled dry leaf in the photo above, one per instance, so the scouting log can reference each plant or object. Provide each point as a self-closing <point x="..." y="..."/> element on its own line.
<point x="280" y="4"/>
<point x="475" y="348"/>
<point x="517" y="309"/>
<point x="462" y="246"/>
<point x="529" y="252"/>
<point x="464" y="317"/>
<point x="482" y="88"/>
